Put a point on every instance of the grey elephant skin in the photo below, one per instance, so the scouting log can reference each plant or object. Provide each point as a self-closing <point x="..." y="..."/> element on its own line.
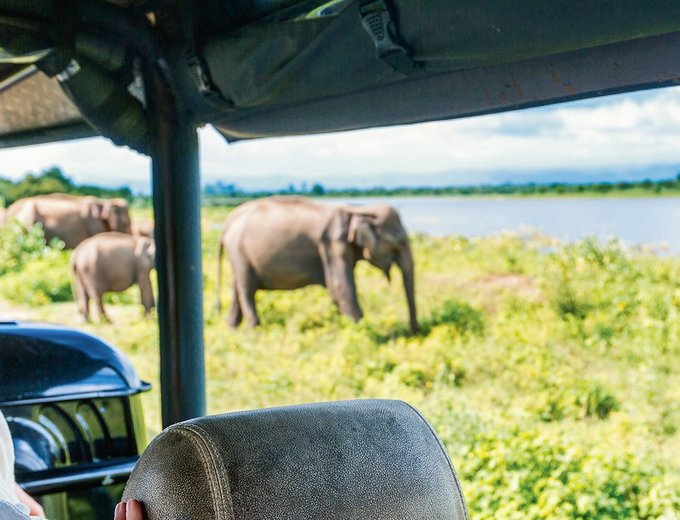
<point x="291" y="242"/>
<point x="71" y="218"/>
<point x="112" y="262"/>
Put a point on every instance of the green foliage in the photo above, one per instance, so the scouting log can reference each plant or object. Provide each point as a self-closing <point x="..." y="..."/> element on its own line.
<point x="19" y="246"/>
<point x="549" y="370"/>
<point x="42" y="281"/>
<point x="32" y="272"/>
<point x="574" y="399"/>
<point x="464" y="318"/>
<point x="522" y="473"/>
<point x="52" y="180"/>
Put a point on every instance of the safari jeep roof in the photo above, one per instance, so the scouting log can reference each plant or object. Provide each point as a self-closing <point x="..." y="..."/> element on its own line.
<point x="259" y="68"/>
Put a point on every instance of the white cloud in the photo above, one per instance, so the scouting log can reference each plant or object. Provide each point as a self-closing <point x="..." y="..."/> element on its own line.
<point x="94" y="161"/>
<point x="635" y="130"/>
<point x="639" y="129"/>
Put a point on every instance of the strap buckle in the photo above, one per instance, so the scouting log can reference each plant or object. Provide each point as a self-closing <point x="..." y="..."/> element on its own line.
<point x="377" y="20"/>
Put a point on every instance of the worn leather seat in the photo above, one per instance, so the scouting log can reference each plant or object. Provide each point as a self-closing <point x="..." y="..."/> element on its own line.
<point x="365" y="459"/>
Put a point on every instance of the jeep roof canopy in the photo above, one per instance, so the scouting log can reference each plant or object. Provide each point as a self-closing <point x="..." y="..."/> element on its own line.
<point x="147" y="73"/>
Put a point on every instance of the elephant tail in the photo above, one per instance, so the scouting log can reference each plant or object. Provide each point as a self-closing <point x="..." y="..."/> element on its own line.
<point x="220" y="258"/>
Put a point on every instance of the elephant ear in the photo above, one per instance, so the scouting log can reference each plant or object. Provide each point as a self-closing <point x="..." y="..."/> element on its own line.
<point x="362" y="234"/>
<point x="106" y="211"/>
<point x="91" y="209"/>
<point x="108" y="215"/>
<point x="145" y="252"/>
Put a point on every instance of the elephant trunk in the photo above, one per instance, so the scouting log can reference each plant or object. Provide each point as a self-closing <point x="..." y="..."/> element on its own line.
<point x="405" y="263"/>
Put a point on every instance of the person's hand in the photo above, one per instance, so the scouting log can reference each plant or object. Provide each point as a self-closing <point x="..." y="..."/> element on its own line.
<point x="34" y="508"/>
<point x="130" y="510"/>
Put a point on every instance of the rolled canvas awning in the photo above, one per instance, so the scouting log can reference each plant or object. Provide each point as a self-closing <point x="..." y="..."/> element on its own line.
<point x="34" y="109"/>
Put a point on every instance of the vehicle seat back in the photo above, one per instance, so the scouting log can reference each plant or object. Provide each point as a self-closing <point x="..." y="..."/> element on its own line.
<point x="365" y="459"/>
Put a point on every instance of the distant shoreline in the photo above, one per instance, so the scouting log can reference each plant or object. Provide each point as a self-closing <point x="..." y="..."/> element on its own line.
<point x="228" y="193"/>
<point x="220" y="200"/>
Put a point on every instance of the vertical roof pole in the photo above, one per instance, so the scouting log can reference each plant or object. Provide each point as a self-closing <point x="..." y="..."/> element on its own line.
<point x="177" y="212"/>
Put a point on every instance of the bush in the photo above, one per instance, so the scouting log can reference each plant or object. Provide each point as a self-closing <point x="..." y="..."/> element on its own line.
<point x="524" y="474"/>
<point x="30" y="285"/>
<point x="570" y="398"/>
<point x="33" y="273"/>
<point x="19" y="246"/>
<point x="462" y="317"/>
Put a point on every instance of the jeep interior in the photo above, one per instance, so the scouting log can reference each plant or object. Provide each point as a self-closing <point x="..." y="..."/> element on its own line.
<point x="147" y="73"/>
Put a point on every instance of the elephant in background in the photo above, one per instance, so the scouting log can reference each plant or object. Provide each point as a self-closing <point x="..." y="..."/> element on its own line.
<point x="143" y="228"/>
<point x="112" y="262"/>
<point x="291" y="242"/>
<point x="71" y="218"/>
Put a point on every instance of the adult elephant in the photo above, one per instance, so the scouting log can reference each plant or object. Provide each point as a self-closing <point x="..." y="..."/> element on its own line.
<point x="71" y="218"/>
<point x="291" y="242"/>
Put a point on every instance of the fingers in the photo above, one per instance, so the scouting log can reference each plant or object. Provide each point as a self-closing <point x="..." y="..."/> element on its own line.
<point x="37" y="510"/>
<point x="120" y="512"/>
<point x="132" y="510"/>
<point x="34" y="508"/>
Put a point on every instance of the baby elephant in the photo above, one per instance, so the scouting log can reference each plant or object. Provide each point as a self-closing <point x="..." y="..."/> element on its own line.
<point x="112" y="262"/>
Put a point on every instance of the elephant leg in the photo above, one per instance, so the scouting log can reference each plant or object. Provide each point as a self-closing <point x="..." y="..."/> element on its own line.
<point x="343" y="291"/>
<point x="344" y="298"/>
<point x="349" y="305"/>
<point x="93" y="293"/>
<point x="246" y="287"/>
<point x="82" y="299"/>
<point x="144" y="282"/>
<point x="235" y="314"/>
<point x="103" y="317"/>
<point x="339" y="278"/>
<point x="84" y="307"/>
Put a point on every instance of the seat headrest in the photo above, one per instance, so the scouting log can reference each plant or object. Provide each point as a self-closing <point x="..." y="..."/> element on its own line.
<point x="365" y="459"/>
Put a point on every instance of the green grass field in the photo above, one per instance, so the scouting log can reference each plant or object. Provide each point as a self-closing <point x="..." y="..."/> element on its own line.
<point x="551" y="372"/>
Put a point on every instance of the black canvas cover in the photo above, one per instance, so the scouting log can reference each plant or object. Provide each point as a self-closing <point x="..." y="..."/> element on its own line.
<point x="282" y="62"/>
<point x="260" y="68"/>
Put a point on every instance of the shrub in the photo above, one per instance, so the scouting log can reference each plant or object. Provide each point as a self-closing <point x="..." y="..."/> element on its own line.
<point x="574" y="399"/>
<point x="31" y="286"/>
<point x="19" y="246"/>
<point x="461" y="316"/>
<point x="521" y="473"/>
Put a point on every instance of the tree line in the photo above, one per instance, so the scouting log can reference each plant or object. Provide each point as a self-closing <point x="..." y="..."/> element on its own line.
<point x="53" y="180"/>
<point x="219" y="192"/>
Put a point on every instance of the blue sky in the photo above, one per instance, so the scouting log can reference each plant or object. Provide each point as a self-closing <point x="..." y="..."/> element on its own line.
<point x="631" y="136"/>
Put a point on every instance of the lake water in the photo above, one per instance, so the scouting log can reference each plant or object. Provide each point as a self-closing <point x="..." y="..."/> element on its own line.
<point x="635" y="221"/>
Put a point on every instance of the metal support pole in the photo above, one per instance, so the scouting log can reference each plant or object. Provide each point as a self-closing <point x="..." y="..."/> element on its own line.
<point x="177" y="211"/>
